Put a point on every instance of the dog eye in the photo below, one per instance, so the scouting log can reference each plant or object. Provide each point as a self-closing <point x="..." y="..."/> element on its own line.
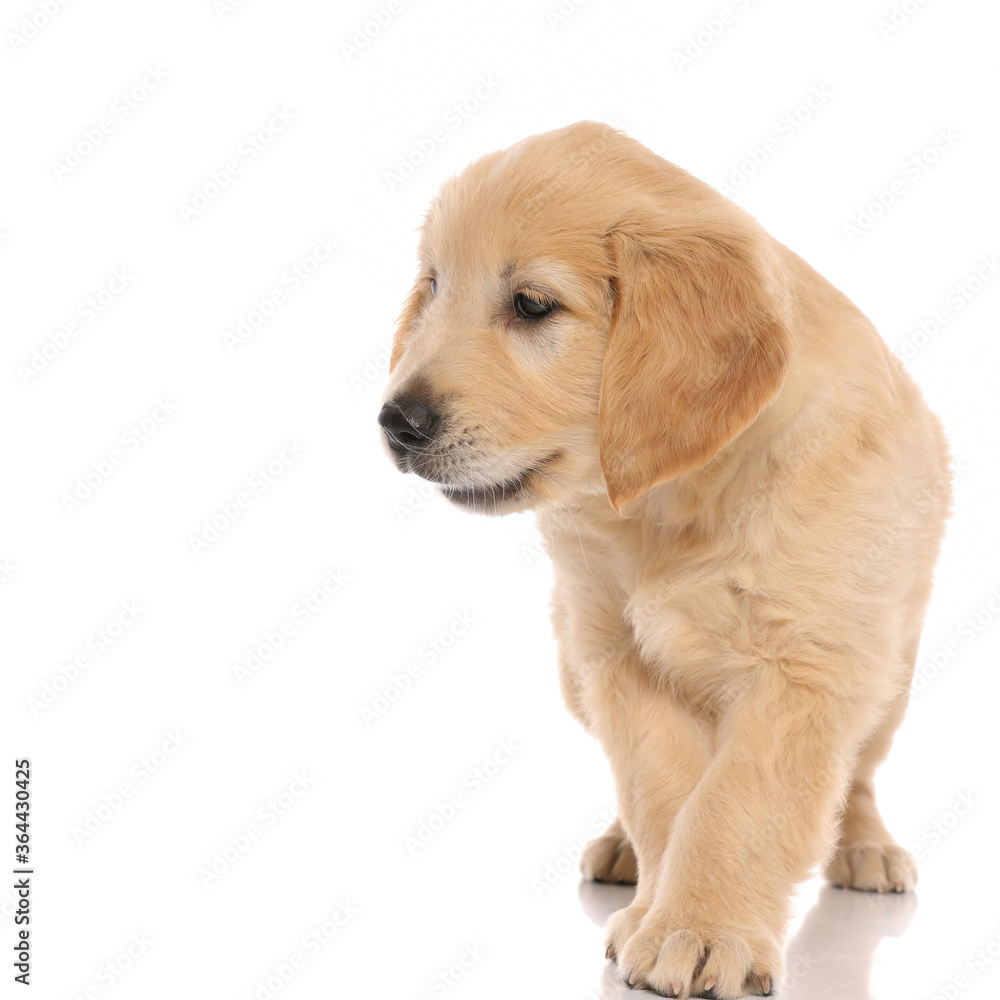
<point x="434" y="286"/>
<point x="529" y="308"/>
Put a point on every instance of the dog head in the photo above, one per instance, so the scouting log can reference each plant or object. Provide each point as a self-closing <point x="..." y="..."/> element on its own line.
<point x="588" y="318"/>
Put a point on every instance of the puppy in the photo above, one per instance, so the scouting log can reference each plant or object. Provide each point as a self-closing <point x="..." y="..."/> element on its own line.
<point x="743" y="495"/>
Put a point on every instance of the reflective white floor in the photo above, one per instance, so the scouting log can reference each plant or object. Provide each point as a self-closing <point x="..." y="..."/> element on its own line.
<point x="832" y="954"/>
<point x="940" y="943"/>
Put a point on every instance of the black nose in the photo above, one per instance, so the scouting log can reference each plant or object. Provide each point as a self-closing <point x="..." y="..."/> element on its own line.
<point x="408" y="424"/>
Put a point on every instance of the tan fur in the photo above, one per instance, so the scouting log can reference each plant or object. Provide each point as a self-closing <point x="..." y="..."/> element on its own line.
<point x="743" y="494"/>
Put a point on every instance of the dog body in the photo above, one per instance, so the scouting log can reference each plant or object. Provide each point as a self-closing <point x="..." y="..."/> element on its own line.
<point x="743" y="495"/>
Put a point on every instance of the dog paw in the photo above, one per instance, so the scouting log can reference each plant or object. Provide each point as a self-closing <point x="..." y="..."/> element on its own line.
<point x="621" y="927"/>
<point x="609" y="858"/>
<point x="701" y="962"/>
<point x="877" y="867"/>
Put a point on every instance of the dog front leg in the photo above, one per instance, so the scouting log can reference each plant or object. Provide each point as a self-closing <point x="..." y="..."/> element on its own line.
<point x="658" y="752"/>
<point x="760" y="816"/>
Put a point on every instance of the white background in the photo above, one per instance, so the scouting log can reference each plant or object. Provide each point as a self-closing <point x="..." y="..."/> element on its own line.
<point x="161" y="710"/>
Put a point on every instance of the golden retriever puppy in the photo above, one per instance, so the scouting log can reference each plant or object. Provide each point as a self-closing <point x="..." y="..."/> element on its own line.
<point x="743" y="495"/>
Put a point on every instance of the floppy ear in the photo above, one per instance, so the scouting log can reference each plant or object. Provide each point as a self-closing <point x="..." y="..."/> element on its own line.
<point x="411" y="307"/>
<point x="696" y="350"/>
